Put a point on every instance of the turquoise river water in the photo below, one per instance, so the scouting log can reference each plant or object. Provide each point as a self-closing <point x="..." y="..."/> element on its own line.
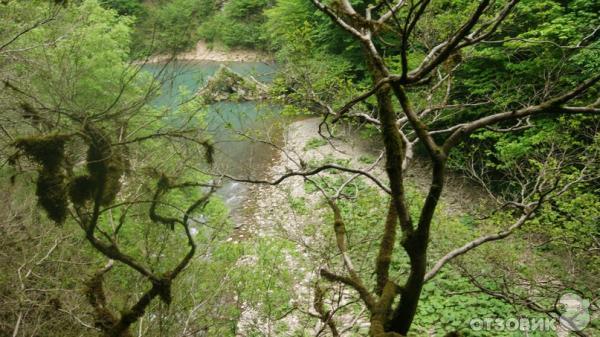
<point x="235" y="155"/>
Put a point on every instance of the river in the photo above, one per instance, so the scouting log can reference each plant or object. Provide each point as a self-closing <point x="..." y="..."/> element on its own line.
<point x="234" y="154"/>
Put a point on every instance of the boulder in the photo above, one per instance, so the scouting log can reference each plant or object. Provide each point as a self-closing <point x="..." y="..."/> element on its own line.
<point x="227" y="85"/>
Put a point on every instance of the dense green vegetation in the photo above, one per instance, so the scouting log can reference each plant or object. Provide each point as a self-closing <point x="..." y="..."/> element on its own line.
<point x="542" y="55"/>
<point x="166" y="26"/>
<point x="110" y="222"/>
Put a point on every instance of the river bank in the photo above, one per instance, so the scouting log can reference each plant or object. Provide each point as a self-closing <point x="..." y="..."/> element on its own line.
<point x="215" y="53"/>
<point x="270" y="208"/>
<point x="289" y="211"/>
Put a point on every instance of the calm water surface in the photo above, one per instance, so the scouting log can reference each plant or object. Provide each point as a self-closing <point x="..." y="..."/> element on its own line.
<point x="234" y="154"/>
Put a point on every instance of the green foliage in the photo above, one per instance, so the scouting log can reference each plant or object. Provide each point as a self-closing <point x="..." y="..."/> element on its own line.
<point x="308" y="73"/>
<point x="26" y="238"/>
<point x="82" y="84"/>
<point x="126" y="7"/>
<point x="263" y="277"/>
<point x="285" y="17"/>
<point x="172" y="26"/>
<point x="76" y="74"/>
<point x="298" y="205"/>
<point x="290" y="110"/>
<point x="537" y="27"/>
<point x="83" y="71"/>
<point x="314" y="143"/>
<point x="449" y="301"/>
<point x="329" y="159"/>
<point x="237" y="24"/>
<point x="289" y="22"/>
<point x="367" y="159"/>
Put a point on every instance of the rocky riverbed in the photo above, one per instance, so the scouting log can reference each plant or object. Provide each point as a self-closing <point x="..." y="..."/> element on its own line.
<point x="269" y="210"/>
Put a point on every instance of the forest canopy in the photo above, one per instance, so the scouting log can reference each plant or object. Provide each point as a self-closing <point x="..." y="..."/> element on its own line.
<point x="299" y="168"/>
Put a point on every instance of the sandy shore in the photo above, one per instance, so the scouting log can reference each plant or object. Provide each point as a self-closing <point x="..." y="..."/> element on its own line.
<point x="202" y="52"/>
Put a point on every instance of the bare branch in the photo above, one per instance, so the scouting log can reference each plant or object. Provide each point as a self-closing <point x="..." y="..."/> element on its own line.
<point x="480" y="34"/>
<point x="310" y="173"/>
<point x="476" y="243"/>
<point x="552" y="106"/>
<point x="392" y="11"/>
<point x="325" y="9"/>
<point x="339" y="113"/>
<point x="28" y="29"/>
<point x="362" y="291"/>
<point x="441" y="52"/>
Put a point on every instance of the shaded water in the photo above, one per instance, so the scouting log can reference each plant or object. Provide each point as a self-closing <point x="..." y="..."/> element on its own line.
<point x="235" y="154"/>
